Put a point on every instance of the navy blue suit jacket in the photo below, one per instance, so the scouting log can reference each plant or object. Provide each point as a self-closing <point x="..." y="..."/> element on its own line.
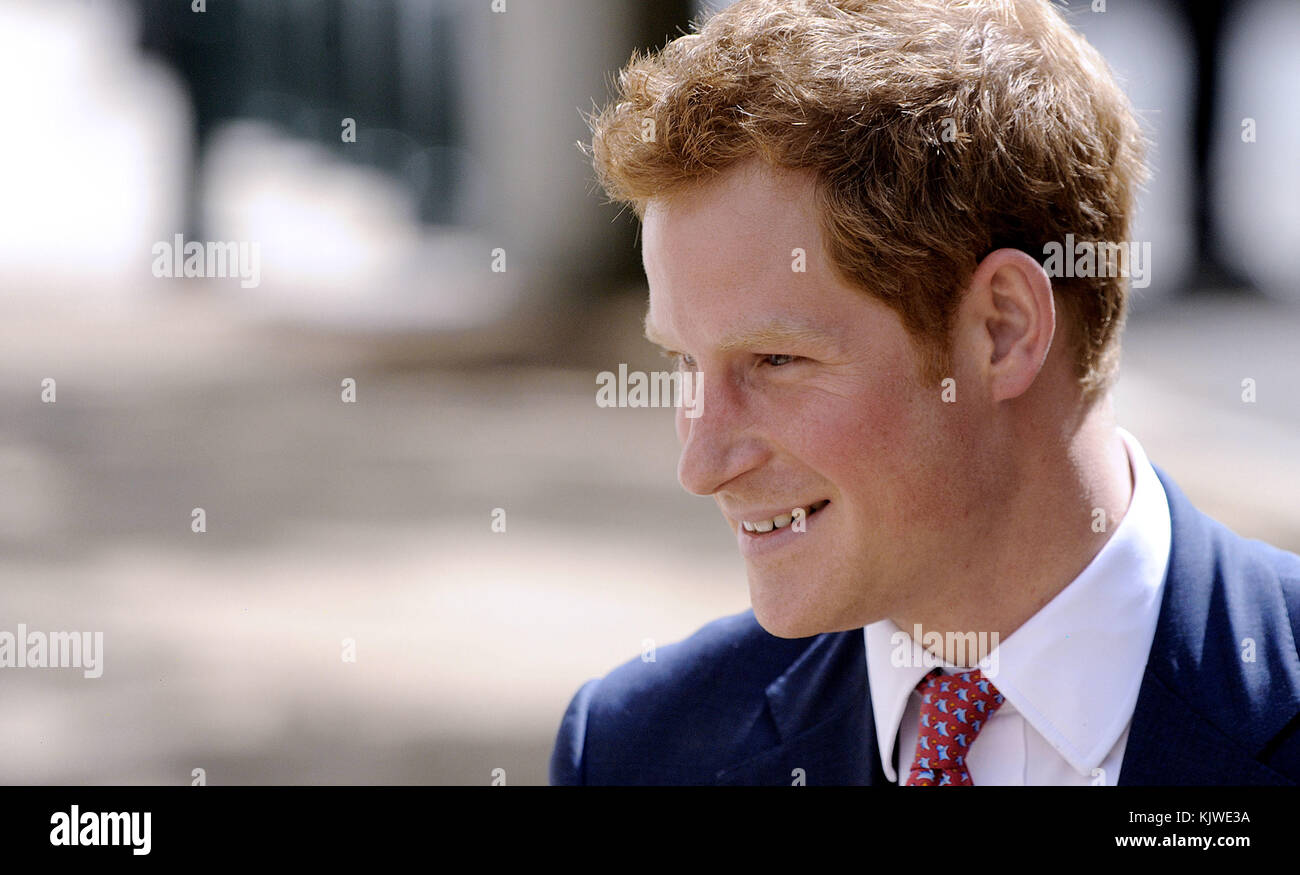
<point x="733" y="704"/>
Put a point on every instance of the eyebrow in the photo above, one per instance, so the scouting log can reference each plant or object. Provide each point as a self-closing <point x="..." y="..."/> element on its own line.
<point x="651" y="333"/>
<point x="777" y="334"/>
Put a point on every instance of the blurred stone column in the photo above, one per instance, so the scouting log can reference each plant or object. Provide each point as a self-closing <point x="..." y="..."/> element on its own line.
<point x="542" y="66"/>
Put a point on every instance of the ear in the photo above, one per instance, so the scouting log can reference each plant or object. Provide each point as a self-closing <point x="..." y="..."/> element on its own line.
<point x="1007" y="320"/>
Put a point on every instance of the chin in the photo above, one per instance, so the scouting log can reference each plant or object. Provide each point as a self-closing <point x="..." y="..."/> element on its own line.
<point x="787" y="611"/>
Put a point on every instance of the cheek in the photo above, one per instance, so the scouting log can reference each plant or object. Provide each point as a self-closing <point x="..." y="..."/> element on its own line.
<point x="871" y="437"/>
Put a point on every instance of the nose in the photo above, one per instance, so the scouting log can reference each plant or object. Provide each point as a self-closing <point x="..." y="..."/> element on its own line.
<point x="720" y="444"/>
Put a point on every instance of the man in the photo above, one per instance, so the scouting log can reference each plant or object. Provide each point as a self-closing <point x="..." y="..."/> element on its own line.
<point x="853" y="214"/>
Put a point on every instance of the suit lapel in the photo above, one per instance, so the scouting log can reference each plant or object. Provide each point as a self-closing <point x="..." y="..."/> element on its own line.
<point x="822" y="711"/>
<point x="1204" y="714"/>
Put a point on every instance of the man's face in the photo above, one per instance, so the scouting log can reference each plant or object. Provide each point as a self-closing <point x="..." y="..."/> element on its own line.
<point x="810" y="401"/>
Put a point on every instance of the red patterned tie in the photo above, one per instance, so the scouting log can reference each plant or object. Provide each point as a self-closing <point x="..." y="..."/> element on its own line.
<point x="953" y="710"/>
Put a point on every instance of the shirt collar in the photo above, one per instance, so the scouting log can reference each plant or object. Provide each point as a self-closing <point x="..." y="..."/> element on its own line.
<point x="1074" y="668"/>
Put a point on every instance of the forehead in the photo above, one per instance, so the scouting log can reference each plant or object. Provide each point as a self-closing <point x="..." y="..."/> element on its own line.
<point x="747" y="211"/>
<point x="727" y="247"/>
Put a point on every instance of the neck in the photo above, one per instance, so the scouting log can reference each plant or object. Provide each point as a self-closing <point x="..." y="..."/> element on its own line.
<point x="1056" y="507"/>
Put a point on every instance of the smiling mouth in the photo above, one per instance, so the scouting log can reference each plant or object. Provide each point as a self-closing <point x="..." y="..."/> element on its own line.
<point x="780" y="521"/>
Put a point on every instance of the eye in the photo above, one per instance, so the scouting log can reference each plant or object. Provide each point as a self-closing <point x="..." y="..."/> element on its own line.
<point x="679" y="359"/>
<point x="776" y="360"/>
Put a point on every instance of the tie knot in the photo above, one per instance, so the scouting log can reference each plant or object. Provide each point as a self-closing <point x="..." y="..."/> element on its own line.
<point x="954" y="708"/>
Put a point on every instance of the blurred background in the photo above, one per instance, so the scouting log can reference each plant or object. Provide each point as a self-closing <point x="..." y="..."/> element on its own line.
<point x="390" y="157"/>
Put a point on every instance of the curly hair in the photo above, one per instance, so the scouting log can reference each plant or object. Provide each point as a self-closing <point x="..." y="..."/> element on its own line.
<point x="938" y="130"/>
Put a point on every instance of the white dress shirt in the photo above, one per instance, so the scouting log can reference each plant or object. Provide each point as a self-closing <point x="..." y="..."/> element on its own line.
<point x="1070" y="675"/>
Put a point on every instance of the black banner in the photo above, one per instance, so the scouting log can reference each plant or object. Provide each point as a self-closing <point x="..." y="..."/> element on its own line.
<point x="93" y="824"/>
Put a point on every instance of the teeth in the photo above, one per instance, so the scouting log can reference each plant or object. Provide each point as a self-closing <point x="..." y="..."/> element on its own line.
<point x="780" y="521"/>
